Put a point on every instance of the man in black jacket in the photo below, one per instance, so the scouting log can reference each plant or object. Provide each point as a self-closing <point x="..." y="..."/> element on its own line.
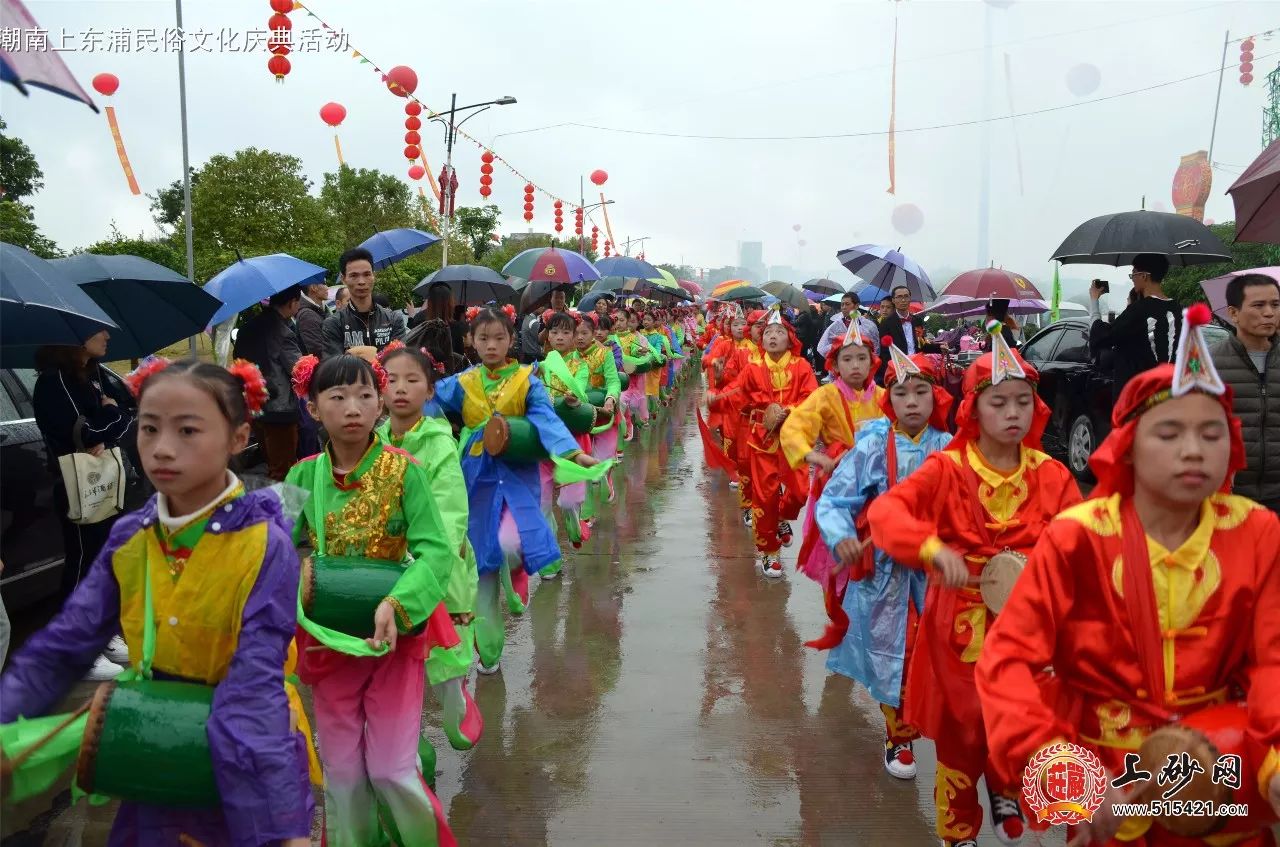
<point x="363" y="328"/>
<point x="905" y="329"/>
<point x="1146" y="333"/>
<point x="310" y="319"/>
<point x="268" y="340"/>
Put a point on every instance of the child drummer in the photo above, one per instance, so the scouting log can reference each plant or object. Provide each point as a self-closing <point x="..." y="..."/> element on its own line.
<point x="987" y="497"/>
<point x="1161" y="523"/>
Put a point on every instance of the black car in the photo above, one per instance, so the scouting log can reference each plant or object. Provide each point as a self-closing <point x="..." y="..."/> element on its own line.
<point x="1076" y="389"/>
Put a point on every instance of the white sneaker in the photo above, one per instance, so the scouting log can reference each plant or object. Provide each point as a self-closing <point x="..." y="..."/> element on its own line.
<point x="746" y="517"/>
<point x="899" y="761"/>
<point x="103" y="670"/>
<point x="497" y="666"/>
<point x="772" y="566"/>
<point x="733" y="483"/>
<point x="117" y="651"/>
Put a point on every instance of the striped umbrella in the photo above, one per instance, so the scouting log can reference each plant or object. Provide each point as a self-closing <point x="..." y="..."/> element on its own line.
<point x="551" y="264"/>
<point x="725" y="287"/>
<point x="883" y="269"/>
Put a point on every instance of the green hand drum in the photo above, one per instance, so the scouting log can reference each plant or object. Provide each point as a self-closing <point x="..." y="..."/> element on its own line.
<point x="596" y="397"/>
<point x="644" y="367"/>
<point x="342" y="592"/>
<point x="579" y="419"/>
<point x="514" y="439"/>
<point x="625" y="379"/>
<point x="139" y="726"/>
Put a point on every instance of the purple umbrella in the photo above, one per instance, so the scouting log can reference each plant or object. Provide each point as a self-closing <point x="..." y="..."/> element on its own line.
<point x="35" y="64"/>
<point x="1257" y="197"/>
<point x="1216" y="289"/>
<point x="960" y="306"/>
<point x="884" y="269"/>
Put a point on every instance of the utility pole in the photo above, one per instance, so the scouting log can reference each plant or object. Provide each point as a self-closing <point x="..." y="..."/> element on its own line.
<point x="186" y="168"/>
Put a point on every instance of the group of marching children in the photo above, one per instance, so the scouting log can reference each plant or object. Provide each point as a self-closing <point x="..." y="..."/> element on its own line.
<point x="1153" y="599"/>
<point x="213" y="585"/>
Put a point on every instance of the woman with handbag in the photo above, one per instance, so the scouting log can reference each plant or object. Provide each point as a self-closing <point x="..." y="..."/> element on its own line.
<point x="76" y="416"/>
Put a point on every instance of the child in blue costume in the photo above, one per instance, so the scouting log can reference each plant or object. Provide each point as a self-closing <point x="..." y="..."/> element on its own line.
<point x="506" y="527"/>
<point x="881" y="604"/>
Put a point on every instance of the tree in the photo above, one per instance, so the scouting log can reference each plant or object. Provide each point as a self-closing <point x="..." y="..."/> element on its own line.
<point x="477" y="223"/>
<point x="18" y="226"/>
<point x="677" y="271"/>
<point x="160" y="252"/>
<point x="1183" y="284"/>
<point x="257" y="202"/>
<point x="167" y="202"/>
<point x="361" y="202"/>
<point x="20" y="174"/>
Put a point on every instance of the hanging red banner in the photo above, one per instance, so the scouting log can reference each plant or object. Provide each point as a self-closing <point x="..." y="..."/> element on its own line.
<point x="124" y="157"/>
<point x="893" y="99"/>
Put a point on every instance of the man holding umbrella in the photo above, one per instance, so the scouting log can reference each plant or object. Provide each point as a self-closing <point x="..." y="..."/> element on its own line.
<point x="1146" y="333"/>
<point x="268" y="340"/>
<point x="363" y="327"/>
<point x="905" y="329"/>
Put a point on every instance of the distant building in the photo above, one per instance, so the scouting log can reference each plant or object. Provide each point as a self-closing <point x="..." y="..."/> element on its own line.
<point x="787" y="273"/>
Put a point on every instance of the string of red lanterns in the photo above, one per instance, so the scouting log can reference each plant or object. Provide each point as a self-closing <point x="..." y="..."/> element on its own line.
<point x="595" y="238"/>
<point x="486" y="174"/>
<point x="577" y="221"/>
<point x="281" y="38"/>
<point x="559" y="207"/>
<point x="1246" y="61"/>
<point x="528" y="202"/>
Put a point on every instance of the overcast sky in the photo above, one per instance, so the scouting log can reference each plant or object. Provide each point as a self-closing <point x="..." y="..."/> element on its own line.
<point x="696" y="67"/>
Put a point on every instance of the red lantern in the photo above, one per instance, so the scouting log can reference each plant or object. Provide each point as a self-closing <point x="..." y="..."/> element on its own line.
<point x="279" y="66"/>
<point x="528" y="207"/>
<point x="412" y="137"/>
<point x="608" y="248"/>
<point x="528" y="216"/>
<point x="106" y="84"/>
<point x="577" y="221"/>
<point x="402" y="81"/>
<point x="1245" y="79"/>
<point x="599" y="177"/>
<point x="486" y="168"/>
<point x="281" y="49"/>
<point x="412" y="152"/>
<point x="279" y="22"/>
<point x="485" y="191"/>
<point x="486" y="157"/>
<point x="1246" y="61"/>
<point x="413" y="124"/>
<point x="559" y="204"/>
<point x="413" y="107"/>
<point x="485" y="179"/>
<point x="417" y="172"/>
<point x="528" y="188"/>
<point x="333" y="114"/>
<point x="282" y="7"/>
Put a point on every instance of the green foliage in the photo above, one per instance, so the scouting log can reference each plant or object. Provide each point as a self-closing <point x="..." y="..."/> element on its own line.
<point x="160" y="252"/>
<point x="18" y="226"/>
<point x="477" y="223"/>
<point x="677" y="271"/>
<point x="166" y="203"/>
<point x="361" y="202"/>
<point x="20" y="174"/>
<point x="257" y="202"/>
<point x="1183" y="284"/>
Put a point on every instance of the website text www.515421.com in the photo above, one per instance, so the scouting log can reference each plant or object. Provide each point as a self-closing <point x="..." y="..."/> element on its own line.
<point x="1180" y="808"/>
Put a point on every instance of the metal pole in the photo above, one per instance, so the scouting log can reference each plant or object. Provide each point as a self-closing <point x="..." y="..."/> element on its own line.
<point x="1217" y="102"/>
<point x="984" y="184"/>
<point x="446" y="189"/>
<point x="186" y="168"/>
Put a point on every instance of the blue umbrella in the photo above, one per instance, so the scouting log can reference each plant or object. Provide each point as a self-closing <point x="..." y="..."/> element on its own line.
<point x="152" y="305"/>
<point x="39" y="305"/>
<point x="626" y="266"/>
<point x="883" y="269"/>
<point x="588" y="303"/>
<point x="392" y="245"/>
<point x="251" y="281"/>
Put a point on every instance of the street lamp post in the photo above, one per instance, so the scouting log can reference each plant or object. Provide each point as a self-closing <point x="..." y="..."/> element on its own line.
<point x="639" y="241"/>
<point x="585" y="209"/>
<point x="450" y="134"/>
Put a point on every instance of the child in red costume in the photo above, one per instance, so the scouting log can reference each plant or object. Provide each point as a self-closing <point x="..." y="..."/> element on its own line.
<point x="1155" y="599"/>
<point x="774" y="385"/>
<point x="989" y="494"/>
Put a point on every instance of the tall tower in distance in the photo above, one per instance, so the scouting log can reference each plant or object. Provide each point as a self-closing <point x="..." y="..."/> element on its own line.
<point x="751" y="259"/>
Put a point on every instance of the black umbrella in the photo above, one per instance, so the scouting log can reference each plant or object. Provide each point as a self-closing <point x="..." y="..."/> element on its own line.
<point x="589" y="302"/>
<point x="472" y="285"/>
<point x="153" y="305"/>
<point x="743" y="293"/>
<point x="1116" y="239"/>
<point x="39" y="305"/>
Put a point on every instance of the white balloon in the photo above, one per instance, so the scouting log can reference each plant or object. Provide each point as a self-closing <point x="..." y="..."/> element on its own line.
<point x="1083" y="79"/>
<point x="907" y="218"/>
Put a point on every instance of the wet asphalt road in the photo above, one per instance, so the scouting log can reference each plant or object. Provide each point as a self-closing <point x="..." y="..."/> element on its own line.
<point x="660" y="692"/>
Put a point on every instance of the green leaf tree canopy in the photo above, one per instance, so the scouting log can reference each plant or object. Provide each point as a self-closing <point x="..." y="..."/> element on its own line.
<point x="20" y="174"/>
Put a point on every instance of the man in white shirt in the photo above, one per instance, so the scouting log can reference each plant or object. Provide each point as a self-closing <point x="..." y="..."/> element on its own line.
<point x="840" y="324"/>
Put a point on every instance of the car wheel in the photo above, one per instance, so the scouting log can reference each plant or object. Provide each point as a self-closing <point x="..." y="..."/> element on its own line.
<point x="1081" y="442"/>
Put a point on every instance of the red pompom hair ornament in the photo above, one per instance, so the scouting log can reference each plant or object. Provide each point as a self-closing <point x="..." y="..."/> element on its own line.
<point x="472" y="311"/>
<point x="1198" y="314"/>
<point x="886" y="341"/>
<point x="509" y="311"/>
<point x="254" y="386"/>
<point x="302" y="373"/>
<point x="148" y="368"/>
